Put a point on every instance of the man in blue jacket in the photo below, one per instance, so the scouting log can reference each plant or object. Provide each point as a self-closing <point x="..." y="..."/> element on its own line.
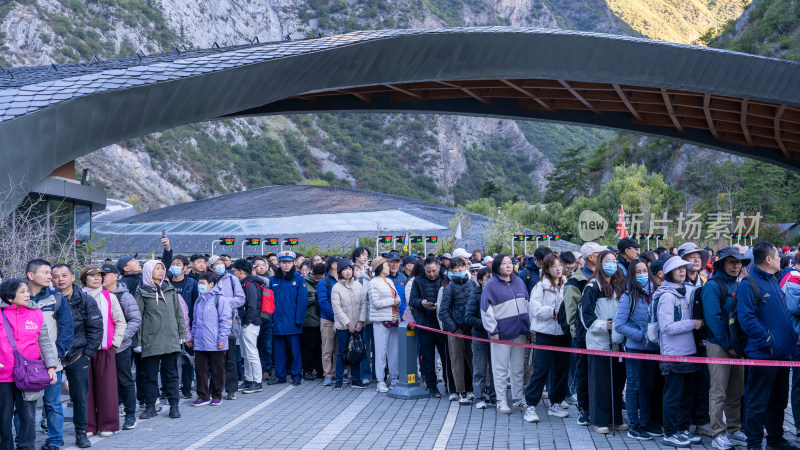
<point x="58" y="317"/>
<point x="727" y="382"/>
<point x="291" y="301"/>
<point x="766" y="322"/>
<point x="398" y="278"/>
<point x="326" y="328"/>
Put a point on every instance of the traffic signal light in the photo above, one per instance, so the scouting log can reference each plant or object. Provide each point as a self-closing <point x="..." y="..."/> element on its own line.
<point x="252" y="241"/>
<point x="291" y="241"/>
<point x="273" y="241"/>
<point x="432" y="239"/>
<point x="557" y="237"/>
<point x="79" y="244"/>
<point x="519" y="237"/>
<point x="227" y="241"/>
<point x="416" y="239"/>
<point x="385" y="239"/>
<point x="400" y="239"/>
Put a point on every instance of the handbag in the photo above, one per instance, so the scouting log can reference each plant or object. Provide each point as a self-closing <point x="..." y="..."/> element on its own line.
<point x="355" y="351"/>
<point x="30" y="375"/>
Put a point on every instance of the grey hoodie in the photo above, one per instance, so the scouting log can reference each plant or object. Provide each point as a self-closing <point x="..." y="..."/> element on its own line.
<point x="131" y="312"/>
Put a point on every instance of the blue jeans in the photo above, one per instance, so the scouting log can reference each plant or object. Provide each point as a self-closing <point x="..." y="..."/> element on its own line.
<point x="482" y="371"/>
<point x="368" y="364"/>
<point x="265" y="347"/>
<point x="640" y="374"/>
<point x="342" y="336"/>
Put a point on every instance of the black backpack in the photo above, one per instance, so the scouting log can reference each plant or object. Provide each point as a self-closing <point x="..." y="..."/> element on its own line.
<point x="526" y="275"/>
<point x="697" y="308"/>
<point x="737" y="336"/>
<point x="561" y="317"/>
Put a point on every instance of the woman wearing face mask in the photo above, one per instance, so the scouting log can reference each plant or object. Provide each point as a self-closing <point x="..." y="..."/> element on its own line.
<point x="384" y="314"/>
<point x="547" y="298"/>
<point x="481" y="357"/>
<point x="636" y="310"/>
<point x="103" y="398"/>
<point x="162" y="331"/>
<point x="677" y="339"/>
<point x="598" y="306"/>
<point x="452" y="314"/>
<point x="211" y="326"/>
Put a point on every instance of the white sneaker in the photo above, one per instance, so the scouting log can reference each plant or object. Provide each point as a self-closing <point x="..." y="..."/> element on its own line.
<point x="738" y="436"/>
<point x="463" y="400"/>
<point x="453" y="397"/>
<point x="564" y="404"/>
<point x="480" y="405"/>
<point x="328" y="381"/>
<point x="520" y="405"/>
<point x="470" y="396"/>
<point x="557" y="410"/>
<point x="722" y="442"/>
<point x="544" y="394"/>
<point x="571" y="400"/>
<point x="530" y="415"/>
<point x="502" y="407"/>
<point x="89" y="434"/>
<point x="365" y="381"/>
<point x="382" y="387"/>
<point x="105" y="434"/>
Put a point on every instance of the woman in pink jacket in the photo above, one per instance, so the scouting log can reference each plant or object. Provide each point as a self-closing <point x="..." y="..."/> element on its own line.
<point x="30" y="334"/>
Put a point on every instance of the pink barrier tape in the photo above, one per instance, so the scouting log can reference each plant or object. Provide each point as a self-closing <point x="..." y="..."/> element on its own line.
<point x="613" y="354"/>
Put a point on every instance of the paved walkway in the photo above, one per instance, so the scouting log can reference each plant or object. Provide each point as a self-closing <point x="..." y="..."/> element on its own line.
<point x="315" y="417"/>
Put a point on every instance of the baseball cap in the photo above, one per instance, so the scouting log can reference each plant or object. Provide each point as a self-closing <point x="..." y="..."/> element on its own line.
<point x="393" y="256"/>
<point x="122" y="262"/>
<point x="461" y="253"/>
<point x="110" y="268"/>
<point x="626" y="243"/>
<point x="590" y="248"/>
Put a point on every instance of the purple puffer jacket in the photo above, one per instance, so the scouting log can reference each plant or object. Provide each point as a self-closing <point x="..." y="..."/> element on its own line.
<point x="504" y="308"/>
<point x="212" y="322"/>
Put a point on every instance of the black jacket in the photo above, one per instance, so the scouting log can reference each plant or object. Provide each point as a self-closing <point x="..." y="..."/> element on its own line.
<point x="250" y="312"/>
<point x="87" y="323"/>
<point x="453" y="309"/>
<point x="131" y="281"/>
<point x="472" y="314"/>
<point x="425" y="289"/>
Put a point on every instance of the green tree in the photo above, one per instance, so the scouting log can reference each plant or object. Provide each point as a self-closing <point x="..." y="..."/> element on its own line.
<point x="568" y="179"/>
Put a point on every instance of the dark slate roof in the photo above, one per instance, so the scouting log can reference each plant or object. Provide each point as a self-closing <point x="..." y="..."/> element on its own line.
<point x="285" y="201"/>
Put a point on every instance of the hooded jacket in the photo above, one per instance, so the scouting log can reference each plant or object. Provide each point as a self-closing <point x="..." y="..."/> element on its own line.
<point x="291" y="300"/>
<point x="545" y="302"/>
<point x="87" y="323"/>
<point x="114" y="324"/>
<point x="453" y="308"/>
<point x="349" y="303"/>
<point x="504" y="308"/>
<point x="250" y="312"/>
<point x="212" y="321"/>
<point x="596" y="310"/>
<point x="768" y="326"/>
<point x="382" y="294"/>
<point x="632" y="322"/>
<point x="572" y="298"/>
<point x="716" y="309"/>
<point x="324" y="288"/>
<point x="675" y="320"/>
<point x="31" y="336"/>
<point x="163" y="325"/>
<point x="425" y="289"/>
<point x="130" y="310"/>
<point x="58" y="318"/>
<point x="790" y="285"/>
<point x="231" y="288"/>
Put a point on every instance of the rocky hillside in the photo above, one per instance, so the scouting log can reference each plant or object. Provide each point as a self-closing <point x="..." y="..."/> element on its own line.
<point x="443" y="158"/>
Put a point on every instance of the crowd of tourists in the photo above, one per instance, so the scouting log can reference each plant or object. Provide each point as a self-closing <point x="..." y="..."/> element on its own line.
<point x="129" y="335"/>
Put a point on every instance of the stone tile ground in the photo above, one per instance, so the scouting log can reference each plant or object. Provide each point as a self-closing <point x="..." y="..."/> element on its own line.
<point x="313" y="417"/>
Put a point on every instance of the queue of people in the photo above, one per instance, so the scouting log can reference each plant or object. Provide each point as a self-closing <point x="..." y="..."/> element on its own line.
<point x="219" y="326"/>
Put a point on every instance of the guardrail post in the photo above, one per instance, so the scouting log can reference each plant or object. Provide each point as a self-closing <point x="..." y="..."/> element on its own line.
<point x="408" y="388"/>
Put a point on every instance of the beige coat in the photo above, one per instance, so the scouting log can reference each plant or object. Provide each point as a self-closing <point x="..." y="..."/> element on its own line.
<point x="381" y="299"/>
<point x="349" y="303"/>
<point x="117" y="316"/>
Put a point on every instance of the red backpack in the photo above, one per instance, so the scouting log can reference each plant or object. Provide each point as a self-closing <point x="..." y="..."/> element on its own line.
<point x="267" y="301"/>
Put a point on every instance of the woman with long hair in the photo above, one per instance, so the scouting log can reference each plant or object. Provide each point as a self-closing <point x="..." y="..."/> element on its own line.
<point x="547" y="297"/>
<point x="606" y="375"/>
<point x="636" y="310"/>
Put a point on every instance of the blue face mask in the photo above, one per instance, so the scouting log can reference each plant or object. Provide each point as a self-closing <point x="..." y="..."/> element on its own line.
<point x="219" y="269"/>
<point x="175" y="270"/>
<point x="642" y="278"/>
<point x="610" y="268"/>
<point x="202" y="288"/>
<point x="458" y="275"/>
